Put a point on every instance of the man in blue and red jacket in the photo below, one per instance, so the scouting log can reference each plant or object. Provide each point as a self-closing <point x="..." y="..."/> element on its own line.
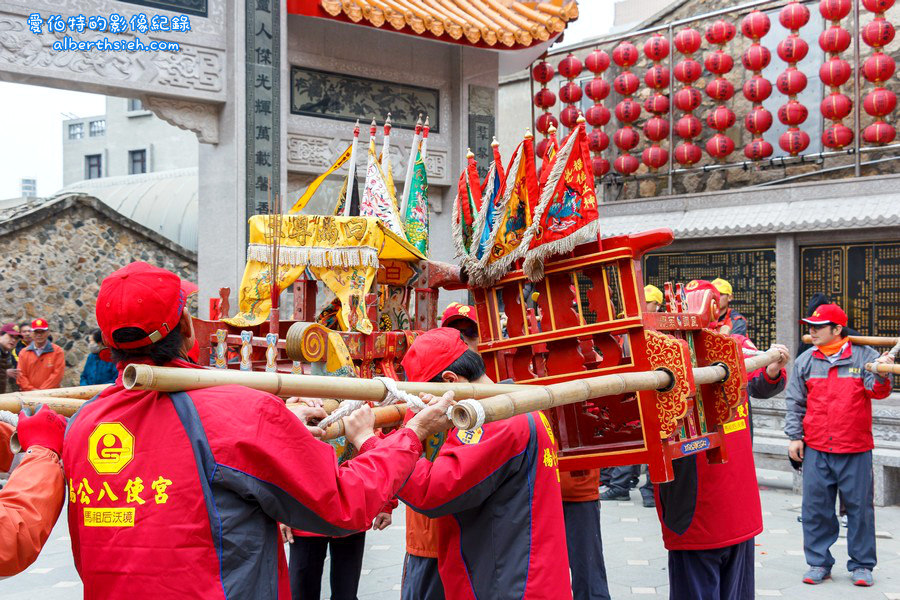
<point x="829" y="411"/>
<point x="501" y="533"/>
<point x="179" y="495"/>
<point x="710" y="513"/>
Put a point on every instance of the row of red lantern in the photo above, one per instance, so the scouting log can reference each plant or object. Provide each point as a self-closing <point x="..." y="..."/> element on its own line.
<point x="878" y="69"/>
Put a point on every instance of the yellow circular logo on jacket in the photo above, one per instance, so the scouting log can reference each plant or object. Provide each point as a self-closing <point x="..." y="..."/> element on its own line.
<point x="470" y="436"/>
<point x="110" y="448"/>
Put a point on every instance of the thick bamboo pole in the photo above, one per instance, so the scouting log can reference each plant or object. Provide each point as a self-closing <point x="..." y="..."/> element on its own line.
<point x="16" y="401"/>
<point x="172" y="379"/>
<point x="83" y="392"/>
<point x="385" y="416"/>
<point x="883" y="368"/>
<point x="864" y="340"/>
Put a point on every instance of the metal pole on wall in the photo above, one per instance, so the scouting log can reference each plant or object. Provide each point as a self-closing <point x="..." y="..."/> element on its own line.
<point x="671" y="113"/>
<point x="857" y="125"/>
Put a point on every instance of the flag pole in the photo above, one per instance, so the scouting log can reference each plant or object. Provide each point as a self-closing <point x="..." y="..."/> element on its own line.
<point x="386" y="152"/>
<point x="425" y="131"/>
<point x="409" y="168"/>
<point x="351" y="173"/>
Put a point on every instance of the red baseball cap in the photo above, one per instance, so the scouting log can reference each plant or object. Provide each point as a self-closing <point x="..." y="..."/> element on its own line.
<point x="142" y="296"/>
<point x="11" y="329"/>
<point x="39" y="325"/>
<point x="456" y="312"/>
<point x="827" y="313"/>
<point x="432" y="352"/>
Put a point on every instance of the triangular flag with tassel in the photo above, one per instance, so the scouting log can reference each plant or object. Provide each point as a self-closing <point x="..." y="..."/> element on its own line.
<point x="566" y="214"/>
<point x="376" y="199"/>
<point x="416" y="218"/>
<point x="547" y="158"/>
<point x="465" y="207"/>
<point x="492" y="189"/>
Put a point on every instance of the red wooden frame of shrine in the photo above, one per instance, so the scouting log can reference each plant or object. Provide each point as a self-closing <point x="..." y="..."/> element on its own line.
<point x="589" y="319"/>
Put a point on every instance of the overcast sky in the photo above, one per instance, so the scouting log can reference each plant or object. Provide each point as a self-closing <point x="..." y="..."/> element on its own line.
<point x="31" y="116"/>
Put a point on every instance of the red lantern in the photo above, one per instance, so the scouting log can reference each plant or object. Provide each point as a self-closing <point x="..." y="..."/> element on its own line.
<point x="656" y="128"/>
<point x="626" y="83"/>
<point x="756" y="58"/>
<point x="758" y="120"/>
<point x="757" y="89"/>
<point x="545" y="121"/>
<point x="878" y="33"/>
<point x="721" y="118"/>
<point x="597" y="115"/>
<point x="655" y="157"/>
<point x="656" y="48"/>
<point x="718" y="62"/>
<point x="657" y="103"/>
<point x="626" y="138"/>
<point x="719" y="146"/>
<point x="597" y="140"/>
<point x="570" y="67"/>
<point x="794" y="141"/>
<point x="791" y="82"/>
<point x="628" y="110"/>
<point x="834" y="40"/>
<point x="600" y="166"/>
<point x="837" y="136"/>
<point x="626" y="164"/>
<point x="836" y="106"/>
<point x="880" y="102"/>
<point x="657" y="77"/>
<point x="792" y="49"/>
<point x="758" y="149"/>
<point x="755" y="25"/>
<point x="720" y="32"/>
<point x="720" y="89"/>
<point x="688" y="71"/>
<point x="541" y="148"/>
<point x="793" y="16"/>
<point x="544" y="98"/>
<point x="793" y="113"/>
<point x="835" y="72"/>
<point x="687" y="41"/>
<point x="688" y="127"/>
<point x="879" y="132"/>
<point x="688" y="99"/>
<point x="879" y="67"/>
<point x="569" y="116"/>
<point x="596" y="89"/>
<point x="688" y="153"/>
<point x="542" y="72"/>
<point x="834" y="10"/>
<point x="597" y="61"/>
<point x="570" y="93"/>
<point x="625" y="54"/>
<point x="878" y="6"/>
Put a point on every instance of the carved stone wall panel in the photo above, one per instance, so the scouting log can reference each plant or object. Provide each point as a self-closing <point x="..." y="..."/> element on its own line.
<point x="202" y="119"/>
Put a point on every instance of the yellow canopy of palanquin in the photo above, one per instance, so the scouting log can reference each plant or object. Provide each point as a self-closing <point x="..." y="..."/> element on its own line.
<point x="507" y="22"/>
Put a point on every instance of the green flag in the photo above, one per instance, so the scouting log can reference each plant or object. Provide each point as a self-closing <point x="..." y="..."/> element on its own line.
<point x="416" y="217"/>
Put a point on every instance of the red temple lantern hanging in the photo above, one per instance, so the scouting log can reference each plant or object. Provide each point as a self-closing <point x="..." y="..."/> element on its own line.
<point x="688" y="99"/>
<point x="878" y="69"/>
<point x="570" y="92"/>
<point x="656" y="49"/>
<point x="628" y="110"/>
<point x="791" y="82"/>
<point x="756" y="89"/>
<point x="720" y="89"/>
<point x="834" y="73"/>
<point x="543" y="73"/>
<point x="597" y="89"/>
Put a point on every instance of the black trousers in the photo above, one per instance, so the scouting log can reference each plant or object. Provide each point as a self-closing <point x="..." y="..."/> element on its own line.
<point x="585" y="550"/>
<point x="307" y="563"/>
<point x="720" y="574"/>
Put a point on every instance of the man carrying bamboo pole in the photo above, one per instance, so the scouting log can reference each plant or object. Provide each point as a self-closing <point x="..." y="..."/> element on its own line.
<point x="829" y="423"/>
<point x="500" y="484"/>
<point x="179" y="495"/>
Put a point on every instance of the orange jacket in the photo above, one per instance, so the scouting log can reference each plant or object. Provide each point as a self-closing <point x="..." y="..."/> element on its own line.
<point x="580" y="486"/>
<point x="29" y="505"/>
<point x="42" y="372"/>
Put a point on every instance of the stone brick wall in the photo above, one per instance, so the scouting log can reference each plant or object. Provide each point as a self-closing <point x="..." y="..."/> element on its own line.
<point x="54" y="258"/>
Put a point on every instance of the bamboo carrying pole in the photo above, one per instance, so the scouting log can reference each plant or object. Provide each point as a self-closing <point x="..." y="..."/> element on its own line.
<point x="385" y="416"/>
<point x="83" y="392"/>
<point x="17" y="401"/>
<point x="465" y="415"/>
<point x="863" y="340"/>
<point x="883" y="368"/>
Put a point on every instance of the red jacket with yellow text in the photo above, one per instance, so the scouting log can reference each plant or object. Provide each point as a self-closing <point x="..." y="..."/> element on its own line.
<point x="503" y="535"/>
<point x="179" y="495"/>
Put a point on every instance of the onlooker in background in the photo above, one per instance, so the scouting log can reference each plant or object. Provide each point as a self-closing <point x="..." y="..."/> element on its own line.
<point x="96" y="370"/>
<point x="42" y="363"/>
<point x="728" y="317"/>
<point x="25" y="332"/>
<point x="653" y="297"/>
<point x="815" y="301"/>
<point x="9" y="335"/>
<point x="463" y="318"/>
<point x="829" y="423"/>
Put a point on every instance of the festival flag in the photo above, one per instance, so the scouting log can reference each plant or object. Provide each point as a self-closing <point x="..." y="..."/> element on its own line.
<point x="354" y="199"/>
<point x="376" y="199"/>
<point x="311" y="190"/>
<point x="547" y="158"/>
<point x="465" y="207"/>
<point x="493" y="189"/>
<point x="386" y="158"/>
<point x="415" y="220"/>
<point x="566" y="214"/>
<point x="351" y="174"/>
<point x="413" y="150"/>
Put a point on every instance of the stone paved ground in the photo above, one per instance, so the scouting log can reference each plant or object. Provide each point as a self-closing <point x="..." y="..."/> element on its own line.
<point x="635" y="558"/>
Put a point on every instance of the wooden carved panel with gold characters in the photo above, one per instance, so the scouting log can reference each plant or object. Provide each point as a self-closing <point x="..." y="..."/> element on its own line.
<point x="673" y="355"/>
<point x="712" y="348"/>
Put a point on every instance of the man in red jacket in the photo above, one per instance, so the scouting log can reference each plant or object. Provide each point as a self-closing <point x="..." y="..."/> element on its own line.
<point x="179" y="495"/>
<point x="710" y="513"/>
<point x="496" y="488"/>
<point x="829" y="410"/>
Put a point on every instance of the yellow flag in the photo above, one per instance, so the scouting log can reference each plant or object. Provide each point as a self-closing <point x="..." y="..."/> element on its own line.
<point x="301" y="202"/>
